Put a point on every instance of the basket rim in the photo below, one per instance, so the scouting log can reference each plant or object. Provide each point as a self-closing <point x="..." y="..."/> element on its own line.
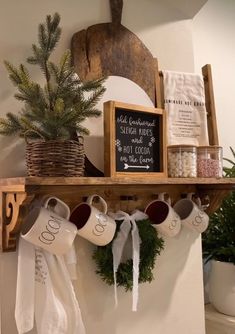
<point x="53" y="141"/>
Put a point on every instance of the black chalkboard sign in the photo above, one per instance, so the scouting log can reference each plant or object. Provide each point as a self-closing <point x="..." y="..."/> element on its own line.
<point x="134" y="139"/>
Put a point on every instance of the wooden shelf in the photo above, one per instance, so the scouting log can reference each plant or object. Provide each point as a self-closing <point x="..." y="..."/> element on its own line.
<point x="17" y="195"/>
<point x="81" y="181"/>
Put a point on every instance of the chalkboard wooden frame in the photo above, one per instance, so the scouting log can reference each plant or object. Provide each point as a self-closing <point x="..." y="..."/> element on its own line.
<point x="110" y="139"/>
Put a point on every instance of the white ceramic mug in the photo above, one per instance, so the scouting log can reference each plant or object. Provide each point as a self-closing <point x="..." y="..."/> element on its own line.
<point x="47" y="229"/>
<point x="163" y="217"/>
<point x="92" y="224"/>
<point x="191" y="214"/>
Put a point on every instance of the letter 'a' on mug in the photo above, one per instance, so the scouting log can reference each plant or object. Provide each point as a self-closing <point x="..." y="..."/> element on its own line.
<point x="47" y="230"/>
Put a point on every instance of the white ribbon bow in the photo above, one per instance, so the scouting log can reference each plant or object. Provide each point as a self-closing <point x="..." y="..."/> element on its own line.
<point x="129" y="222"/>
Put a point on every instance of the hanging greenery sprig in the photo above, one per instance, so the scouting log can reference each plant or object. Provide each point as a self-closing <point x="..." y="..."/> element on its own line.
<point x="56" y="110"/>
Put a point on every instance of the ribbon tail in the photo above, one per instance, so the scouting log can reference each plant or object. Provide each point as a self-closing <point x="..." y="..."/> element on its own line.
<point x="115" y="289"/>
<point x="136" y="261"/>
<point x="118" y="246"/>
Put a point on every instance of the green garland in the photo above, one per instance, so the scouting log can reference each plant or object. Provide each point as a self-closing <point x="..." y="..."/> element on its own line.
<point x="151" y="246"/>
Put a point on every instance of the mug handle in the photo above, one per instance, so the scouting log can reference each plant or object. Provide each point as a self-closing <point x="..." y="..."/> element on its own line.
<point x="102" y="201"/>
<point x="61" y="203"/>
<point x="161" y="197"/>
<point x="199" y="203"/>
<point x="190" y="196"/>
<point x="197" y="200"/>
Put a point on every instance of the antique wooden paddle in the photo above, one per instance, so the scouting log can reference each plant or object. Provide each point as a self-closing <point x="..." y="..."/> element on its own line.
<point x="111" y="49"/>
<point x="107" y="49"/>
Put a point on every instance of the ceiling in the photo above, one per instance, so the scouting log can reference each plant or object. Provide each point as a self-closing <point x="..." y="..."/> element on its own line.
<point x="189" y="8"/>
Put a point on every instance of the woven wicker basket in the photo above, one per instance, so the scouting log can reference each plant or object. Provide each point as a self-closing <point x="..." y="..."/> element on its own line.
<point x="55" y="158"/>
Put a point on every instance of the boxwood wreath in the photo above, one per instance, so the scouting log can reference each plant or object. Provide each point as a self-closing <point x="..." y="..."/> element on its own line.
<point x="151" y="246"/>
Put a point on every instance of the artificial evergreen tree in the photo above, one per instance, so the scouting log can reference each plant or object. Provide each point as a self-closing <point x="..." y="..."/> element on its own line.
<point x="55" y="111"/>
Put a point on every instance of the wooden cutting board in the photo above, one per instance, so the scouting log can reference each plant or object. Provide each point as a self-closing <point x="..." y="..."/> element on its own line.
<point x="111" y="49"/>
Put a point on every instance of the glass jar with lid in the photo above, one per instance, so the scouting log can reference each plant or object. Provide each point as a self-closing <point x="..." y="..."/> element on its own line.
<point x="182" y="161"/>
<point x="209" y="161"/>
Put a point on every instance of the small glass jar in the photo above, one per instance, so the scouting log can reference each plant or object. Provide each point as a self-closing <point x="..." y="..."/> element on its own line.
<point x="182" y="161"/>
<point x="209" y="161"/>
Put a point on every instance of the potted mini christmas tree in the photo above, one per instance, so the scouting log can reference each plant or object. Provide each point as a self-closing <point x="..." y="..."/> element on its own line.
<point x="52" y="114"/>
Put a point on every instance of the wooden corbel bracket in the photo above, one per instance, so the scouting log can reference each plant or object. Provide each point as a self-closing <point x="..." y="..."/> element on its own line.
<point x="12" y="208"/>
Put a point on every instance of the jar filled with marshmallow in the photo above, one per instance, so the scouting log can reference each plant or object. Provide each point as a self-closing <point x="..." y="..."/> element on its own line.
<point x="182" y="161"/>
<point x="209" y="161"/>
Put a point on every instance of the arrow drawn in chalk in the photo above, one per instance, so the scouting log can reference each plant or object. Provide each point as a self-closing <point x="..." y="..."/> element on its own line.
<point x="126" y="166"/>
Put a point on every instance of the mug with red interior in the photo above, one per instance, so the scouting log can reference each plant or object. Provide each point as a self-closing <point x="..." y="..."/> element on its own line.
<point x="163" y="217"/>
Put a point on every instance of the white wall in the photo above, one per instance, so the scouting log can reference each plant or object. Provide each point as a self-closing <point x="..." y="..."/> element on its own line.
<point x="164" y="31"/>
<point x="213" y="38"/>
<point x="173" y="303"/>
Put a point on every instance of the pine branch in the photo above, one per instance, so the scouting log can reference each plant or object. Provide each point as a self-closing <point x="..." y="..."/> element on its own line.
<point x="48" y="37"/>
<point x="10" y="125"/>
<point x="93" y="99"/>
<point x="82" y="130"/>
<point x="42" y="36"/>
<point x="51" y="126"/>
<point x="57" y="109"/>
<point x="66" y="70"/>
<point x="14" y="74"/>
<point x="91" y="113"/>
<point x="93" y="84"/>
<point x="54" y="70"/>
<point x="62" y="76"/>
<point x="29" y="127"/>
<point x="24" y="75"/>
